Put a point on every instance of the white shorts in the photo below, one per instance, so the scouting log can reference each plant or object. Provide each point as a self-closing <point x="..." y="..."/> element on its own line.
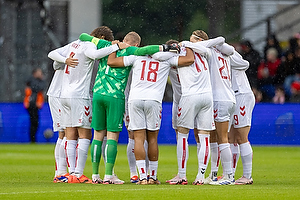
<point x="55" y="110"/>
<point x="144" y="114"/>
<point x="223" y="110"/>
<point x="196" y="111"/>
<point x="242" y="115"/>
<point x="174" y="115"/>
<point x="76" y="113"/>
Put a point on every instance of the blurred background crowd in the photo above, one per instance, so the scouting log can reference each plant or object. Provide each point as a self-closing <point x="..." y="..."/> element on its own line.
<point x="275" y="75"/>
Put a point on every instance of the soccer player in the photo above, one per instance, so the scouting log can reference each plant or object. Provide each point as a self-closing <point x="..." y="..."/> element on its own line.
<point x="195" y="109"/>
<point x="241" y="118"/>
<point x="76" y="100"/>
<point x="53" y="93"/>
<point x="145" y="98"/>
<point x="130" y="146"/>
<point x="108" y="98"/>
<point x="224" y="104"/>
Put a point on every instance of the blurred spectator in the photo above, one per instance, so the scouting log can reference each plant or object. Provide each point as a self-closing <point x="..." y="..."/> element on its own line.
<point x="253" y="57"/>
<point x="279" y="97"/>
<point x="286" y="68"/>
<point x="34" y="100"/>
<point x="295" y="92"/>
<point x="294" y="77"/>
<point x="272" y="42"/>
<point x="266" y="74"/>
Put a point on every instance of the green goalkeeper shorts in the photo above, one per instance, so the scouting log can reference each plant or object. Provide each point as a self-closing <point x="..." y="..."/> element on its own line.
<point x="107" y="113"/>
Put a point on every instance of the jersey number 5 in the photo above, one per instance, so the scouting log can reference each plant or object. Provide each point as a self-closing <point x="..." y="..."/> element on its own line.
<point x="152" y="71"/>
<point x="67" y="68"/>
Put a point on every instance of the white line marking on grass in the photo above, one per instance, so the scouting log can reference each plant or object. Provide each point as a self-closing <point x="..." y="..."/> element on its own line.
<point x="118" y="189"/>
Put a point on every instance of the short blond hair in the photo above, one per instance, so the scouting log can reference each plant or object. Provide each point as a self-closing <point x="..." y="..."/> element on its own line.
<point x="201" y="34"/>
<point x="132" y="38"/>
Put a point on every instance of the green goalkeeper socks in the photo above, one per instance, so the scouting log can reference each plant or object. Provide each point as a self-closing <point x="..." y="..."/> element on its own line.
<point x="96" y="150"/>
<point x="111" y="154"/>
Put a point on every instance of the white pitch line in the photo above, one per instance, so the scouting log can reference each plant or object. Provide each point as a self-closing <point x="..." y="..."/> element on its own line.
<point x="68" y="191"/>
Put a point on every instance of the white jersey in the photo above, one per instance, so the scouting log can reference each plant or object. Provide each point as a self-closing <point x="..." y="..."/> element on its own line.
<point x="149" y="77"/>
<point x="176" y="86"/>
<point x="195" y="79"/>
<point x="76" y="81"/>
<point x="220" y="72"/>
<point x="240" y="83"/>
<point x="56" y="83"/>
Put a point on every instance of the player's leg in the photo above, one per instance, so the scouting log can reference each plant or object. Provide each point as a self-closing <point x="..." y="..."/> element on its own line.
<point x="96" y="151"/>
<point x="182" y="156"/>
<point x="215" y="158"/>
<point x="131" y="158"/>
<point x="70" y="148"/>
<point x="140" y="155"/>
<point x="153" y="156"/>
<point x="234" y="147"/>
<point x="203" y="156"/>
<point x="85" y="136"/>
<point x="224" y="111"/>
<point x="246" y="156"/>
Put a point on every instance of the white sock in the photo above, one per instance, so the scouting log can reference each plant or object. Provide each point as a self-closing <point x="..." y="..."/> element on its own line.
<point x="56" y="154"/>
<point x="141" y="165"/>
<point x="215" y="158"/>
<point x="71" y="154"/>
<point x="246" y="156"/>
<point x="146" y="158"/>
<point x="62" y="163"/>
<point x="153" y="165"/>
<point x="235" y="149"/>
<point x="226" y="158"/>
<point x="182" y="154"/>
<point x="82" y="154"/>
<point x="203" y="155"/>
<point x="131" y="157"/>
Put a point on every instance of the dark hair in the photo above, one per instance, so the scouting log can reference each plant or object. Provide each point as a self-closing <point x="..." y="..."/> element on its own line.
<point x="246" y="43"/>
<point x="103" y="31"/>
<point x="171" y="41"/>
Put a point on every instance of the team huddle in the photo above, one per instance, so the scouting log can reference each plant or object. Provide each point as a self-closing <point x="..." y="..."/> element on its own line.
<point x="211" y="94"/>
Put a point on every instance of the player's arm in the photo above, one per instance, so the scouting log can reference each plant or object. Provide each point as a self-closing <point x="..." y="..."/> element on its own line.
<point x="93" y="53"/>
<point x="114" y="61"/>
<point x="237" y="62"/>
<point x="59" y="55"/>
<point x="186" y="60"/>
<point x="196" y="47"/>
<point x="226" y="49"/>
<point x="213" y="42"/>
<point x="100" y="43"/>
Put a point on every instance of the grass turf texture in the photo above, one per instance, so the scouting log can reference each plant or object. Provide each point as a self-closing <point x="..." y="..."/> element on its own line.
<point x="27" y="172"/>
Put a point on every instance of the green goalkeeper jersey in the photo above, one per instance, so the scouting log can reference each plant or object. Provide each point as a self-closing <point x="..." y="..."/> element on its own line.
<point x="111" y="81"/>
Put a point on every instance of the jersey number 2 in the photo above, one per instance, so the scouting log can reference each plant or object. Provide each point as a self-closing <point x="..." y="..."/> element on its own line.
<point x="152" y="71"/>
<point x="67" y="68"/>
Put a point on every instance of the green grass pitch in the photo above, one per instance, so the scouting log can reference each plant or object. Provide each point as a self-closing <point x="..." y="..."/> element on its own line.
<point x="27" y="172"/>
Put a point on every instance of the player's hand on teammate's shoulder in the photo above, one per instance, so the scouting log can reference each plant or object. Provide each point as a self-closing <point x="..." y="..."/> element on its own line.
<point x="72" y="62"/>
<point x="122" y="45"/>
<point x="115" y="42"/>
